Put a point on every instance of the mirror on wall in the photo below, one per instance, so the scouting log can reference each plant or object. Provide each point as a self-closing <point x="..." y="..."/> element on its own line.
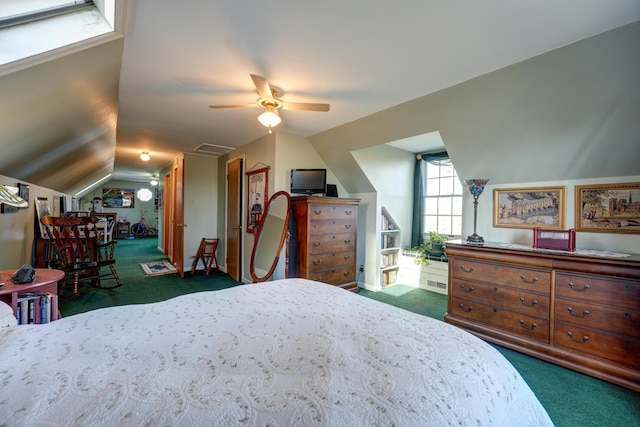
<point x="270" y="238"/>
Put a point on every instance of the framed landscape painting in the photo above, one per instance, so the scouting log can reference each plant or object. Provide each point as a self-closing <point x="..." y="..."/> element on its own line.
<point x="529" y="207"/>
<point x="608" y="208"/>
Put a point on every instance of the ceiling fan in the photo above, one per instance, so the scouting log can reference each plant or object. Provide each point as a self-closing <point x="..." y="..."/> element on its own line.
<point x="271" y="103"/>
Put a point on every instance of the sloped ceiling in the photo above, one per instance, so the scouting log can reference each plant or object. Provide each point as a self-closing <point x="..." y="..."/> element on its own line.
<point x="58" y="119"/>
<point x="179" y="57"/>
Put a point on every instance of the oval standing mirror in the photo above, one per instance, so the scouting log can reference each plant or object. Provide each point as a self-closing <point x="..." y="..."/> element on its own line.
<point x="269" y="240"/>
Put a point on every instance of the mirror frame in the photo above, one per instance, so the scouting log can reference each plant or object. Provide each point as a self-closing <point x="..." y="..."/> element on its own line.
<point x="283" y="236"/>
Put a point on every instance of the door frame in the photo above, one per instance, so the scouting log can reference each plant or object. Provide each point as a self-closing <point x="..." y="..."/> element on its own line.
<point x="242" y="214"/>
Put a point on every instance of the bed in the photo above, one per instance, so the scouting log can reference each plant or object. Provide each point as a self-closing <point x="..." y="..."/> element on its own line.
<point x="287" y="352"/>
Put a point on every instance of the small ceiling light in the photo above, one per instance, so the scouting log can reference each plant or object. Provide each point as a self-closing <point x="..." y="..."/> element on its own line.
<point x="154" y="180"/>
<point x="145" y="157"/>
<point x="269" y="118"/>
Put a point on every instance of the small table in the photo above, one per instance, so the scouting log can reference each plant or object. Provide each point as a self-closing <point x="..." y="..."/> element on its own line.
<point x="124" y="229"/>
<point x="46" y="281"/>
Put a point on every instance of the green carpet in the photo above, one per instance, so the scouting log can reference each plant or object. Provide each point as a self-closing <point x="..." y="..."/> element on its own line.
<point x="570" y="398"/>
<point x="139" y="288"/>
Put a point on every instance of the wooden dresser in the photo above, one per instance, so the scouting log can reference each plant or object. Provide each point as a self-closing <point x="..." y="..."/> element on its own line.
<point x="580" y="312"/>
<point x="323" y="240"/>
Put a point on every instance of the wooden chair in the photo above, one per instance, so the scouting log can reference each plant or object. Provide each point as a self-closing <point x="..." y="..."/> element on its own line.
<point x="80" y="254"/>
<point x="206" y="253"/>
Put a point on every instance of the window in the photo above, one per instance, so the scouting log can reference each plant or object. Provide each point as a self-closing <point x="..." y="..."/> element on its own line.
<point x="31" y="27"/>
<point x="443" y="199"/>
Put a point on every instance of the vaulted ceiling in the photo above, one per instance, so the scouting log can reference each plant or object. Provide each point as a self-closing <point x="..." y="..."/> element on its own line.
<point x="71" y="120"/>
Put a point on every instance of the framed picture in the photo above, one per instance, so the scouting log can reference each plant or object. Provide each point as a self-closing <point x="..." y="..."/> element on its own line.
<point x="608" y="208"/>
<point x="23" y="192"/>
<point x="42" y="209"/>
<point x="529" y="207"/>
<point x="118" y="197"/>
<point x="258" y="186"/>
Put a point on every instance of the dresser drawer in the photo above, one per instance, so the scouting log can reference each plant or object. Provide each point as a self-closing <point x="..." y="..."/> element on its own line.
<point x="614" y="347"/>
<point x="334" y="276"/>
<point x="332" y="242"/>
<point x="495" y="273"/>
<point x="332" y="212"/>
<point x="590" y="315"/>
<point x="514" y="299"/>
<point x="332" y="226"/>
<point x="601" y="289"/>
<point x="499" y="318"/>
<point x="331" y="260"/>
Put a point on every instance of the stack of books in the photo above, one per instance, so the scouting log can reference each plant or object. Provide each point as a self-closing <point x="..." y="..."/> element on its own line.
<point x="37" y="308"/>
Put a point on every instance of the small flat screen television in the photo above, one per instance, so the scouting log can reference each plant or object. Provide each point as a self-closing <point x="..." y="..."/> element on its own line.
<point x="308" y="181"/>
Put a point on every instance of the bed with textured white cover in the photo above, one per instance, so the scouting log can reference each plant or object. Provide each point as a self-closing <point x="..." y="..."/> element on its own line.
<point x="289" y="352"/>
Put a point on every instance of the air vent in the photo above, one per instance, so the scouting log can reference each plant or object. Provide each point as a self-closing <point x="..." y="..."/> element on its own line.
<point x="212" y="150"/>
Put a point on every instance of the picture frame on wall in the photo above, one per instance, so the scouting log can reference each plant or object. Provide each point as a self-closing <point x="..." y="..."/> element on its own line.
<point x="118" y="198"/>
<point x="42" y="209"/>
<point x="529" y="207"/>
<point x="608" y="208"/>
<point x="258" y="181"/>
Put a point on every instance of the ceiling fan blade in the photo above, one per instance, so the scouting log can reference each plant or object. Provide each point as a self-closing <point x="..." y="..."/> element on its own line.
<point x="234" y="106"/>
<point x="262" y="85"/>
<point x="305" y="106"/>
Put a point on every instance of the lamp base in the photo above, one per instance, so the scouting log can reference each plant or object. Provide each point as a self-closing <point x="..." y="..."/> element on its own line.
<point x="474" y="238"/>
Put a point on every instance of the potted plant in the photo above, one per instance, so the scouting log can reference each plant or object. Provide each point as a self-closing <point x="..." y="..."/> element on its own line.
<point x="432" y="247"/>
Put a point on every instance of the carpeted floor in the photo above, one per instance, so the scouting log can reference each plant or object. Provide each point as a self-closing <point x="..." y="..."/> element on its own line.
<point x="572" y="399"/>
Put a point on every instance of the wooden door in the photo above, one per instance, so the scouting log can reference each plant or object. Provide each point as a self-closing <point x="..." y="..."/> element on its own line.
<point x="234" y="218"/>
<point x="178" y="216"/>
<point x="167" y="223"/>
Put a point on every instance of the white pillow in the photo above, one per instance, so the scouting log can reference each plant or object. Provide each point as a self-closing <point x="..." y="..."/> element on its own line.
<point x="6" y="315"/>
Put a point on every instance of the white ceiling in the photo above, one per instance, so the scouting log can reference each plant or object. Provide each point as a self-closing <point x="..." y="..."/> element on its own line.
<point x="360" y="56"/>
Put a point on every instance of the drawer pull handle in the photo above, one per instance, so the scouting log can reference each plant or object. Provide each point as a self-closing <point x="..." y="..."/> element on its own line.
<point x="627" y="315"/>
<point x="534" y="302"/>
<point x="628" y="344"/>
<point x="524" y="279"/>
<point x="317" y="244"/>
<point x="347" y="257"/>
<point x="317" y="212"/>
<point x="317" y="261"/>
<point x="466" y="311"/>
<point x="628" y="287"/>
<point x="533" y="325"/>
<point x="584" y="313"/>
<point x="584" y="289"/>
<point x="471" y="289"/>
<point x="347" y="226"/>
<point x="584" y="338"/>
<point x="465" y="270"/>
<point x="348" y="212"/>
<point x="346" y="273"/>
<point x="347" y="241"/>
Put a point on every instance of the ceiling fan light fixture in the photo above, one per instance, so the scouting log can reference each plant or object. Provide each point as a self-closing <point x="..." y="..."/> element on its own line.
<point x="145" y="157"/>
<point x="154" y="180"/>
<point x="269" y="118"/>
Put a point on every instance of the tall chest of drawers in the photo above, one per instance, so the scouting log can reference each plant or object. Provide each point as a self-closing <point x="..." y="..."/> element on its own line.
<point x="581" y="312"/>
<point x="323" y="240"/>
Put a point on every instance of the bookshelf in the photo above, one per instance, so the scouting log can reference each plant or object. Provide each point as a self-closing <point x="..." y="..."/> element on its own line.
<point x="389" y="249"/>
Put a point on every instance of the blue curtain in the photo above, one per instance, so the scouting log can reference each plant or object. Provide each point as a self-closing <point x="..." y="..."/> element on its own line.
<point x="417" y="229"/>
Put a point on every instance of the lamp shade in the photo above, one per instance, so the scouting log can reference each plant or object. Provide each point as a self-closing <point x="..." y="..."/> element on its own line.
<point x="269" y="118"/>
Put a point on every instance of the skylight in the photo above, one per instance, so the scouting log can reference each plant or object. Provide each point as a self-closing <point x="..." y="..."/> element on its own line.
<point x="32" y="27"/>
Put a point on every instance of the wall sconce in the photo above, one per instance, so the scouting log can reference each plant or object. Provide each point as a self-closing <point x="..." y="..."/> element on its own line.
<point x="10" y="198"/>
<point x="145" y="157"/>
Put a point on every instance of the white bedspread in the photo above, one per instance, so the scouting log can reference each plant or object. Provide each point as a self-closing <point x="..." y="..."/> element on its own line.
<point x="291" y="352"/>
